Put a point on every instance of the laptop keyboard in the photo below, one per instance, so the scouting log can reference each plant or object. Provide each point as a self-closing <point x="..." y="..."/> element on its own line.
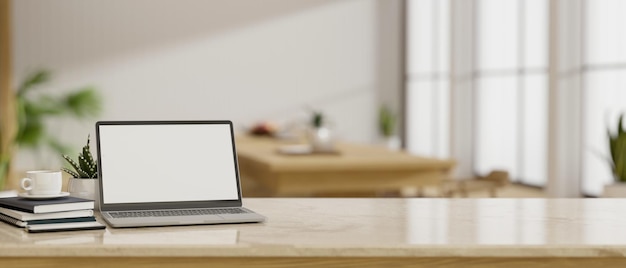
<point x="178" y="212"/>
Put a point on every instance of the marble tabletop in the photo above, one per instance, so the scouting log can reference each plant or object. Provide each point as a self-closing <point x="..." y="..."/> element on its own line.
<point x="363" y="227"/>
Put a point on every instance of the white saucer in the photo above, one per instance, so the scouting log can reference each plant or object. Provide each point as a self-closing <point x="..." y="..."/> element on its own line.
<point x="295" y="149"/>
<point x="46" y="196"/>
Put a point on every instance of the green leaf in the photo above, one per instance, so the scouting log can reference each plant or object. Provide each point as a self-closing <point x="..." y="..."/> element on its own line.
<point x="73" y="163"/>
<point x="31" y="134"/>
<point x="71" y="172"/>
<point x="622" y="175"/>
<point x="33" y="80"/>
<point x="85" y="102"/>
<point x="619" y="167"/>
<point x="617" y="148"/>
<point x="88" y="157"/>
<point x="82" y="174"/>
<point x="47" y="106"/>
<point x="83" y="163"/>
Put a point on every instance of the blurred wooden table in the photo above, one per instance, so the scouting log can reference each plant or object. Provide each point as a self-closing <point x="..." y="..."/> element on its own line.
<point x="357" y="168"/>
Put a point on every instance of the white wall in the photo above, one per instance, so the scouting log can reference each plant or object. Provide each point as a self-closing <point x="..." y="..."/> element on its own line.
<point x="565" y="140"/>
<point x="389" y="68"/>
<point x="462" y="88"/>
<point x="196" y="59"/>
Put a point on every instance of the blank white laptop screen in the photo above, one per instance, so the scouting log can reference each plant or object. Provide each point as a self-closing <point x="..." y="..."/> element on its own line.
<point x="167" y="163"/>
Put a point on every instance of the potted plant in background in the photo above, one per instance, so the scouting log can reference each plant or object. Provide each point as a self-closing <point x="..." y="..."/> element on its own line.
<point x="84" y="174"/>
<point x="387" y="126"/>
<point x="617" y="147"/>
<point x="320" y="134"/>
<point x="25" y="124"/>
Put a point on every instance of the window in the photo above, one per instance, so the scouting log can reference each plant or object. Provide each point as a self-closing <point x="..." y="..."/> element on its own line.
<point x="508" y="88"/>
<point x="511" y="93"/>
<point x="604" y="87"/>
<point x="428" y="77"/>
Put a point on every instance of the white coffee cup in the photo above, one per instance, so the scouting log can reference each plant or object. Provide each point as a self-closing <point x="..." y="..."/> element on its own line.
<point x="42" y="182"/>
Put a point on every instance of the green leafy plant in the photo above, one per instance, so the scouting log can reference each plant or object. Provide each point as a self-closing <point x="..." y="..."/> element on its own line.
<point x="617" y="146"/>
<point x="386" y="121"/>
<point x="32" y="108"/>
<point x="85" y="167"/>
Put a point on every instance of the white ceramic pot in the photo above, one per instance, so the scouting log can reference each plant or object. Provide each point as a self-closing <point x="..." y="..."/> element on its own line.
<point x="83" y="188"/>
<point x="321" y="139"/>
<point x="616" y="189"/>
<point x="392" y="142"/>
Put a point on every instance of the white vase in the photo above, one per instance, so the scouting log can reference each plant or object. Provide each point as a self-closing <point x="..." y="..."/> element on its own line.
<point x="83" y="188"/>
<point x="392" y="142"/>
<point x="617" y="189"/>
<point x="321" y="139"/>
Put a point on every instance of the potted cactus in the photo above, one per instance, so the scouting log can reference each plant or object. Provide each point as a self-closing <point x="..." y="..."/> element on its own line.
<point x="387" y="126"/>
<point x="617" y="147"/>
<point x="84" y="174"/>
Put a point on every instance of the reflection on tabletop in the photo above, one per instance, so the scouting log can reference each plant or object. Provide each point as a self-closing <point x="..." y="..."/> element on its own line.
<point x="370" y="223"/>
<point x="156" y="236"/>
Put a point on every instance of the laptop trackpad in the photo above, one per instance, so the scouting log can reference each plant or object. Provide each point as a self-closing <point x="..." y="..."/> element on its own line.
<point x="201" y="219"/>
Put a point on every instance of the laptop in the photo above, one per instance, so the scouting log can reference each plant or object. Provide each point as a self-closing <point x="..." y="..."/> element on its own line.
<point x="161" y="173"/>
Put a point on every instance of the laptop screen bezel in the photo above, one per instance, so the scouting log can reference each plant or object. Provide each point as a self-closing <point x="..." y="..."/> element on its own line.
<point x="165" y="205"/>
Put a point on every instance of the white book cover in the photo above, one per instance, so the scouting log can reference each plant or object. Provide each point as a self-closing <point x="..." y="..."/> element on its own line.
<point x="26" y="216"/>
<point x="69" y="226"/>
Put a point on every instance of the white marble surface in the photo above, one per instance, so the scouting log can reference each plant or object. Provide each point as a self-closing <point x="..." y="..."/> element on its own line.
<point x="363" y="227"/>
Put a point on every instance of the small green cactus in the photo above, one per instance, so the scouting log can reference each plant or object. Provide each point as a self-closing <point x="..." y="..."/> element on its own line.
<point x="86" y="168"/>
<point x="617" y="145"/>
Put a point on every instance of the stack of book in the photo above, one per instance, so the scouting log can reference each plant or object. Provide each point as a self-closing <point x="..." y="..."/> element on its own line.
<point x="60" y="214"/>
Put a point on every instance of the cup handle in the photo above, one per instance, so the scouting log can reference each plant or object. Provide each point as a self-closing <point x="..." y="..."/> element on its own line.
<point x="23" y="184"/>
